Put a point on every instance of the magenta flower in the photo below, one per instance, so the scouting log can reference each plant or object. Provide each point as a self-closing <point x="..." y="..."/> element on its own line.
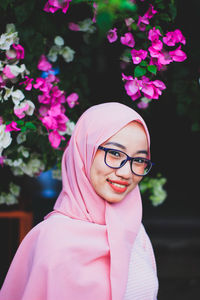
<point x="7" y="72"/>
<point x="138" y="55"/>
<point x="73" y="26"/>
<point x="112" y="35"/>
<point x="128" y="40"/>
<point x="19" y="51"/>
<point x="142" y="105"/>
<point x="42" y="85"/>
<point x="28" y="83"/>
<point x="151" y="89"/>
<point x="178" y="55"/>
<point x="53" y="5"/>
<point x="49" y="122"/>
<point x="44" y="64"/>
<point x="95" y="6"/>
<point x="55" y="139"/>
<point x="142" y="22"/>
<point x="12" y="127"/>
<point x="153" y="36"/>
<point x="20" y="112"/>
<point x="132" y="87"/>
<point x="72" y="99"/>
<point x="150" y="12"/>
<point x="159" y="58"/>
<point x="174" y="37"/>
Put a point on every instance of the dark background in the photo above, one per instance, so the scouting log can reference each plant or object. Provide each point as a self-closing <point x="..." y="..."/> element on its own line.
<point x="174" y="226"/>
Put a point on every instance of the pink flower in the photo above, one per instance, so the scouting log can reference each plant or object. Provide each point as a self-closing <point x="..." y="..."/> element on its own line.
<point x="142" y="22"/>
<point x="178" y="55"/>
<point x="112" y="35"/>
<point x="28" y="83"/>
<point x="132" y="87"/>
<point x="151" y="89"/>
<point x="142" y="105"/>
<point x="12" y="127"/>
<point x="72" y="99"/>
<point x="95" y="6"/>
<point x="73" y="26"/>
<point x="2" y="83"/>
<point x="49" y="122"/>
<point x="55" y="139"/>
<point x="42" y="85"/>
<point x="2" y="158"/>
<point x="138" y="55"/>
<point x="53" y="5"/>
<point x="159" y="58"/>
<point x="19" y="51"/>
<point x="174" y="37"/>
<point x="128" y="40"/>
<point x="43" y="64"/>
<point x="128" y="22"/>
<point x="20" y="110"/>
<point x="150" y="12"/>
<point x="7" y="72"/>
<point x="153" y="36"/>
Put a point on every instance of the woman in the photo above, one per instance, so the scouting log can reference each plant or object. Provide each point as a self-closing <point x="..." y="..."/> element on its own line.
<point x="93" y="245"/>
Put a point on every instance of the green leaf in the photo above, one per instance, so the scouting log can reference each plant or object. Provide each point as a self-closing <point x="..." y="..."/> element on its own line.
<point x="152" y="69"/>
<point x="20" y="122"/>
<point x="30" y="125"/>
<point x="143" y="63"/>
<point x="139" y="71"/>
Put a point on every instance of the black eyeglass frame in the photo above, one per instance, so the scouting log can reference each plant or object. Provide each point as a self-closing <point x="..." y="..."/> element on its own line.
<point x="125" y="161"/>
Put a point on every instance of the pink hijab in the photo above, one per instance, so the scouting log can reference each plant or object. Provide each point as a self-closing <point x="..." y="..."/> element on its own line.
<point x="86" y="254"/>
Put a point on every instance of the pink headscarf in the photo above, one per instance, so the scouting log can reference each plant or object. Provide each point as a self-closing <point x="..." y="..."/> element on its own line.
<point x="90" y="251"/>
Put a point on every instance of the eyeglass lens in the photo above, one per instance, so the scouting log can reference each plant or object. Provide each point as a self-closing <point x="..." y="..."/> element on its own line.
<point x="116" y="159"/>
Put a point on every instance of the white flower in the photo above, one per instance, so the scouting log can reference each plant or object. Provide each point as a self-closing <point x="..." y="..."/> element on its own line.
<point x="15" y="70"/>
<point x="21" y="137"/>
<point x="31" y="107"/>
<point x="5" y="138"/>
<point x="10" y="28"/>
<point x="8" y="198"/>
<point x="14" y="189"/>
<point x="67" y="53"/>
<point x="86" y="26"/>
<point x="69" y="128"/>
<point x="17" y="96"/>
<point x="53" y="53"/>
<point x="8" y="93"/>
<point x="7" y="39"/>
<point x="33" y="167"/>
<point x="24" y="151"/>
<point x="59" y="41"/>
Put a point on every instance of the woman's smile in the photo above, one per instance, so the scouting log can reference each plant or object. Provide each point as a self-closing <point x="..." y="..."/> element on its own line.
<point x="118" y="186"/>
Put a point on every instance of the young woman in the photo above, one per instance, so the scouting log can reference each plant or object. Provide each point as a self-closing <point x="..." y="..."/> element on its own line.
<point x="93" y="246"/>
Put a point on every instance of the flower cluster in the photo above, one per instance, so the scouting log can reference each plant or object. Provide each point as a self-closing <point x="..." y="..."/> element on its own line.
<point x="54" y="5"/>
<point x="148" y="61"/>
<point x="44" y="115"/>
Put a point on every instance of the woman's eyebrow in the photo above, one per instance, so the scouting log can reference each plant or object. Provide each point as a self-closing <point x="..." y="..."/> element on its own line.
<point x="142" y="152"/>
<point x="116" y="144"/>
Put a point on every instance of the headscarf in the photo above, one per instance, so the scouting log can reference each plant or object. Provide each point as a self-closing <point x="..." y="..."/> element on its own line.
<point x="107" y="230"/>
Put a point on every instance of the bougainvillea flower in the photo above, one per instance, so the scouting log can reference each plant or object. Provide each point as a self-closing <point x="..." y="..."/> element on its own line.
<point x="112" y="35"/>
<point x="138" y="55"/>
<point x="19" y="110"/>
<point x="72" y="100"/>
<point x="132" y="87"/>
<point x="27" y="83"/>
<point x="95" y="6"/>
<point x="49" y="122"/>
<point x="150" y="12"/>
<point x="12" y="127"/>
<point x="7" y="72"/>
<point x="19" y="51"/>
<point x="173" y="37"/>
<point x="55" y="139"/>
<point x="151" y="89"/>
<point x="142" y="22"/>
<point x="44" y="64"/>
<point x="153" y="36"/>
<point x="53" y="5"/>
<point x="178" y="55"/>
<point x="128" y="40"/>
<point x="42" y="85"/>
<point x="73" y="26"/>
<point x="159" y="58"/>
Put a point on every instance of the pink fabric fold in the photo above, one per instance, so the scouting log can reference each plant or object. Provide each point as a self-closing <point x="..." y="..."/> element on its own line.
<point x="86" y="254"/>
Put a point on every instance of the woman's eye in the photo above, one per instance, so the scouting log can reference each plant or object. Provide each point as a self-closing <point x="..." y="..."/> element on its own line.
<point x="114" y="153"/>
<point x="139" y="160"/>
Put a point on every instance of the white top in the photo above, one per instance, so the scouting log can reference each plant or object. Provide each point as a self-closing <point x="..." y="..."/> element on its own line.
<point x="142" y="278"/>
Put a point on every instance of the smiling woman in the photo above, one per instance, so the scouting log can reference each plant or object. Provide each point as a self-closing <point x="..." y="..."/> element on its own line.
<point x="115" y="179"/>
<point x="93" y="243"/>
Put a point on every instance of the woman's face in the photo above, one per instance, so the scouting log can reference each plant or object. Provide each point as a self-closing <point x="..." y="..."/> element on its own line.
<point x="114" y="184"/>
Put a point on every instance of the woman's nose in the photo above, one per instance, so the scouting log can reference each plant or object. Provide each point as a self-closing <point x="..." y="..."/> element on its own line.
<point x="124" y="171"/>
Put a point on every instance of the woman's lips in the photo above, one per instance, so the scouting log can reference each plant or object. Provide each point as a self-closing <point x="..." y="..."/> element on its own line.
<point x="118" y="186"/>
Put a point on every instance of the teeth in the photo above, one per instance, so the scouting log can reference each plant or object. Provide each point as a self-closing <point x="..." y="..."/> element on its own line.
<point x="118" y="185"/>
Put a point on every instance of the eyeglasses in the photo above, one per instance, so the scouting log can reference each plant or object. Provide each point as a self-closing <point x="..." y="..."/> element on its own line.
<point x="116" y="159"/>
